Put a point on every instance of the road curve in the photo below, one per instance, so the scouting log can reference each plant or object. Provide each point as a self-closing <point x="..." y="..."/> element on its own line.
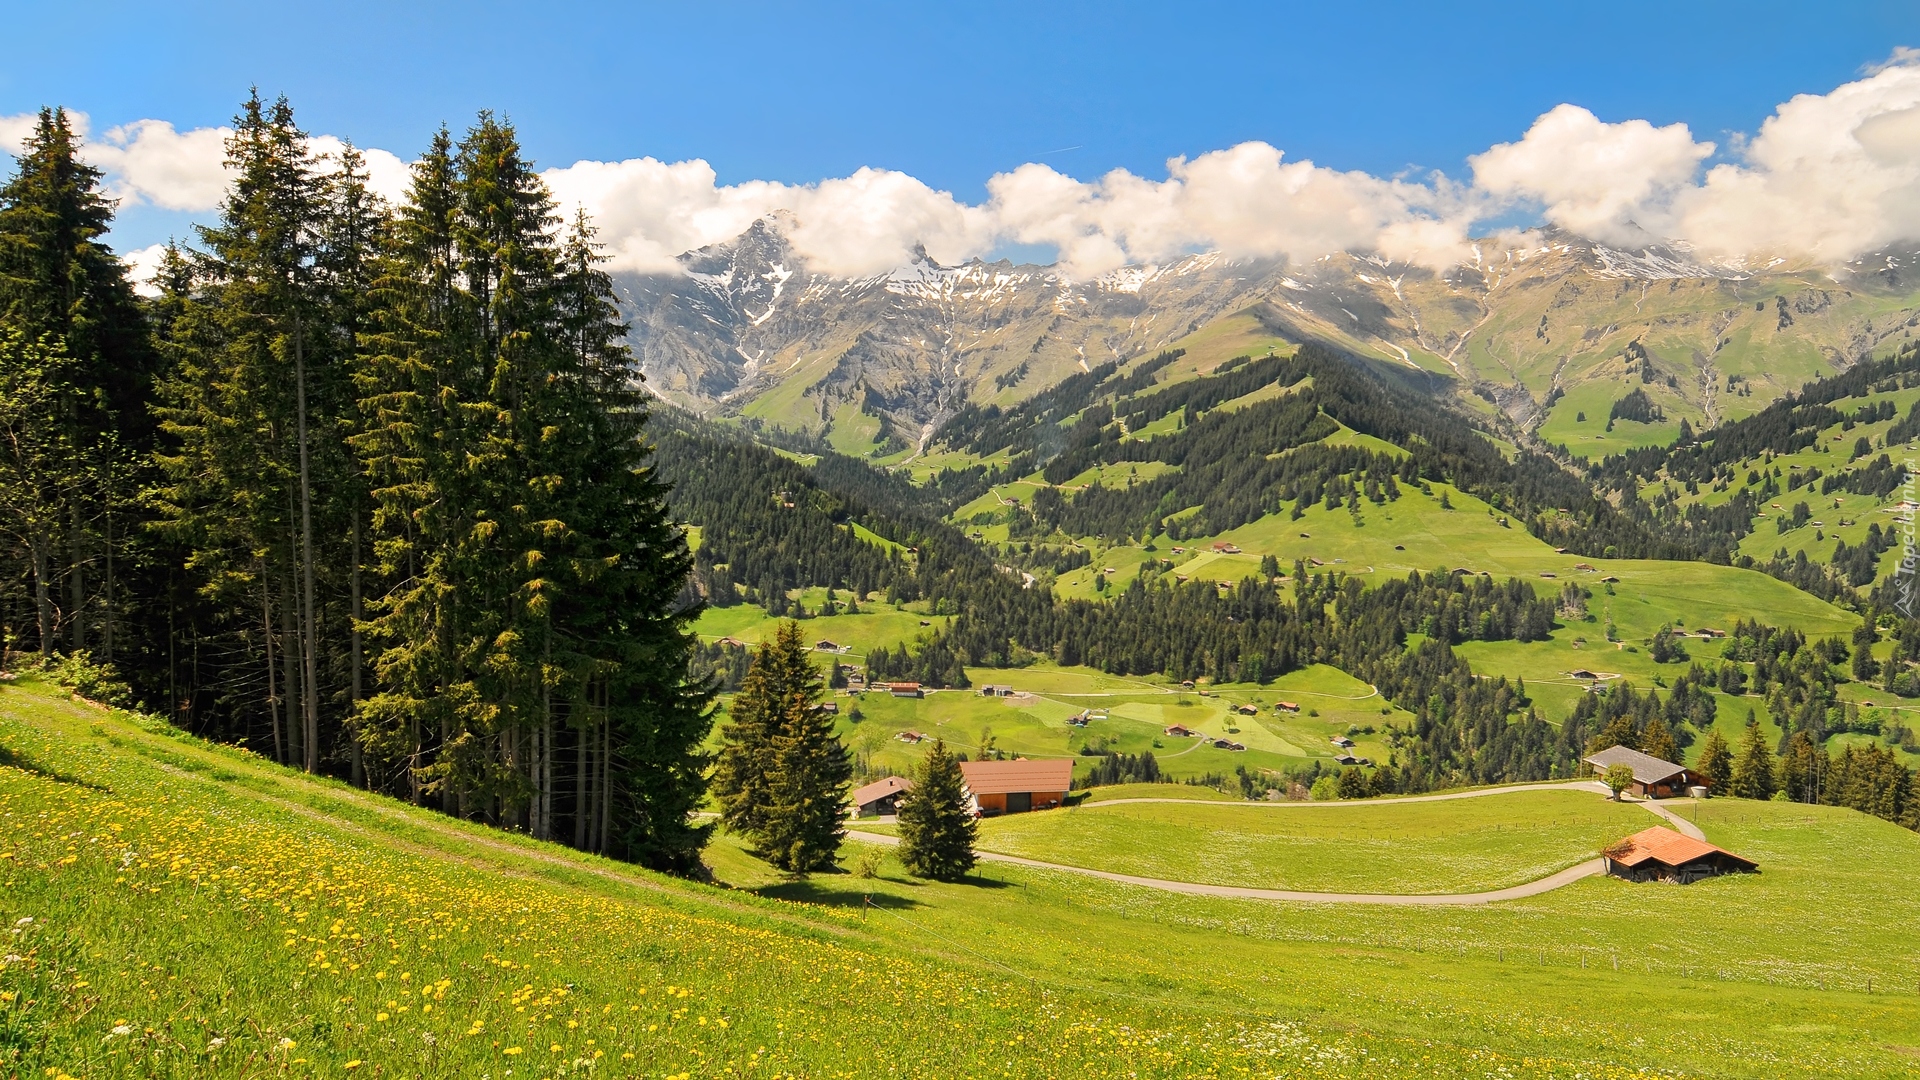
<point x="1565" y="877"/>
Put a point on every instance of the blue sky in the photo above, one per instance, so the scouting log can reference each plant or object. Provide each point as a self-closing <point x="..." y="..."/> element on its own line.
<point x="951" y="94"/>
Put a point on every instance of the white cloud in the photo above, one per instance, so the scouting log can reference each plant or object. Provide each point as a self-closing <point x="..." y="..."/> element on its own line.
<point x="1827" y="177"/>
<point x="1593" y="178"/>
<point x="649" y="211"/>
<point x="142" y="265"/>
<point x="1244" y="201"/>
<point x="148" y="161"/>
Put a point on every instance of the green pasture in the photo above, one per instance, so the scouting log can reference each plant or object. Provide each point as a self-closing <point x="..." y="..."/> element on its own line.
<point x="1364" y="846"/>
<point x="1803" y="970"/>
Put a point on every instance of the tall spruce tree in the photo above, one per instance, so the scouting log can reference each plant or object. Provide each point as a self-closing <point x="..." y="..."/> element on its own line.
<point x="532" y="649"/>
<point x="240" y="404"/>
<point x="783" y="774"/>
<point x="1753" y="770"/>
<point x="1716" y="763"/>
<point x="936" y="825"/>
<point x="63" y="290"/>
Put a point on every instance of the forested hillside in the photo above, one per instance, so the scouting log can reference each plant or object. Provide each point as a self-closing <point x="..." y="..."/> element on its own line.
<point x="364" y="489"/>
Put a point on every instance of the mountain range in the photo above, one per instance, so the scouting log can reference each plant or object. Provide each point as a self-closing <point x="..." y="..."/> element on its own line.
<point x="1543" y="332"/>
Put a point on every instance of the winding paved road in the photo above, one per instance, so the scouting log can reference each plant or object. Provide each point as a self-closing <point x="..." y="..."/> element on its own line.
<point x="1568" y="876"/>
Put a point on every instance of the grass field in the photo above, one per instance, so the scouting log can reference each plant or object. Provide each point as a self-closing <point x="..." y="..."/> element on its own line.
<point x="1461" y="845"/>
<point x="197" y="912"/>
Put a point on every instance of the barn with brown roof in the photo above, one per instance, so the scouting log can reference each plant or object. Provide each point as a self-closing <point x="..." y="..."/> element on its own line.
<point x="1660" y="854"/>
<point x="1014" y="787"/>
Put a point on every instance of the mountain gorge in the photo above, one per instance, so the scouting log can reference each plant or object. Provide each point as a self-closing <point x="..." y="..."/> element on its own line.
<point x="1543" y="333"/>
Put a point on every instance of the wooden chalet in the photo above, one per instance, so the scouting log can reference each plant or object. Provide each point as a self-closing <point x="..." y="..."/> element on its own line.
<point x="1341" y="741"/>
<point x="1228" y="744"/>
<point x="1248" y="710"/>
<point x="880" y="797"/>
<point x="901" y="689"/>
<point x="1287" y="706"/>
<point x="911" y="737"/>
<point x="1178" y="731"/>
<point x="1660" y="854"/>
<point x="1015" y="787"/>
<point x="1652" y="777"/>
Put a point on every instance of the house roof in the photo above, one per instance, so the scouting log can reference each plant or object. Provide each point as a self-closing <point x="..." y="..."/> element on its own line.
<point x="1647" y="769"/>
<point x="1001" y="777"/>
<point x="1663" y="845"/>
<point x="880" y="789"/>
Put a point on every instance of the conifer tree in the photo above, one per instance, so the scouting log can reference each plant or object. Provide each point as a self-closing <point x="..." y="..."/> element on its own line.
<point x="533" y="645"/>
<point x="1715" y="763"/>
<point x="62" y="289"/>
<point x="1657" y="741"/>
<point x="238" y="407"/>
<point x="1753" y="770"/>
<point x="783" y="774"/>
<point x="36" y="460"/>
<point x="936" y="825"/>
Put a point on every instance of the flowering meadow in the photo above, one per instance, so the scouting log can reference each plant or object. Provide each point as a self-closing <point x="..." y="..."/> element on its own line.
<point x="178" y="909"/>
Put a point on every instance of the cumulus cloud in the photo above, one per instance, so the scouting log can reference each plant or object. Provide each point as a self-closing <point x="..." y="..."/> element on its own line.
<point x="1244" y="201"/>
<point x="1594" y="178"/>
<point x="1827" y="177"/>
<point x="648" y="212"/>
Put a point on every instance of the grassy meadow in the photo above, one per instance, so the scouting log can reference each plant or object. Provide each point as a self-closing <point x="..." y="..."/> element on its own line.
<point x="191" y="910"/>
<point x="1369" y="846"/>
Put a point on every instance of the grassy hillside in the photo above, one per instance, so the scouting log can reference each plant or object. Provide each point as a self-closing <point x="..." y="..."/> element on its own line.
<point x="195" y="912"/>
<point x="1461" y="845"/>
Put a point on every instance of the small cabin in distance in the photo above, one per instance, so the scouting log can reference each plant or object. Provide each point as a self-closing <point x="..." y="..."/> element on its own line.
<point x="880" y="797"/>
<point x="1652" y="777"/>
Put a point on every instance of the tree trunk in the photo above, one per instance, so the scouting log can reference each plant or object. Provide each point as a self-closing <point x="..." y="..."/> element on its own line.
<point x="76" y="581"/>
<point x="353" y="637"/>
<point x="310" y="646"/>
<point x="580" y="811"/>
<point x="42" y="593"/>
<point x="107" y="600"/>
<point x="290" y="677"/>
<point x="273" y="700"/>
<point x="606" y="780"/>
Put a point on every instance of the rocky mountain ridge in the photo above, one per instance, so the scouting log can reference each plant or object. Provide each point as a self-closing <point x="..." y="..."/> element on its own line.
<point x="1555" y="324"/>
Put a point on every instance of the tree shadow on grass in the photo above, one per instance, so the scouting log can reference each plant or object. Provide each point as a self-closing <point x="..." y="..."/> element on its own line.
<point x="839" y="888"/>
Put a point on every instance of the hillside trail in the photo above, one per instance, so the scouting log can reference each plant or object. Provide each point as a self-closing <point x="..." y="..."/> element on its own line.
<point x="1590" y="868"/>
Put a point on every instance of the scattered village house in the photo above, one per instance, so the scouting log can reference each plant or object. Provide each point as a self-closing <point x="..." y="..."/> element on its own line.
<point x="1248" y="710"/>
<point x="1287" y="706"/>
<point x="1652" y="777"/>
<point x="880" y="797"/>
<point x="1015" y="787"/>
<point x="996" y="690"/>
<point x="900" y="689"/>
<point x="1660" y="854"/>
